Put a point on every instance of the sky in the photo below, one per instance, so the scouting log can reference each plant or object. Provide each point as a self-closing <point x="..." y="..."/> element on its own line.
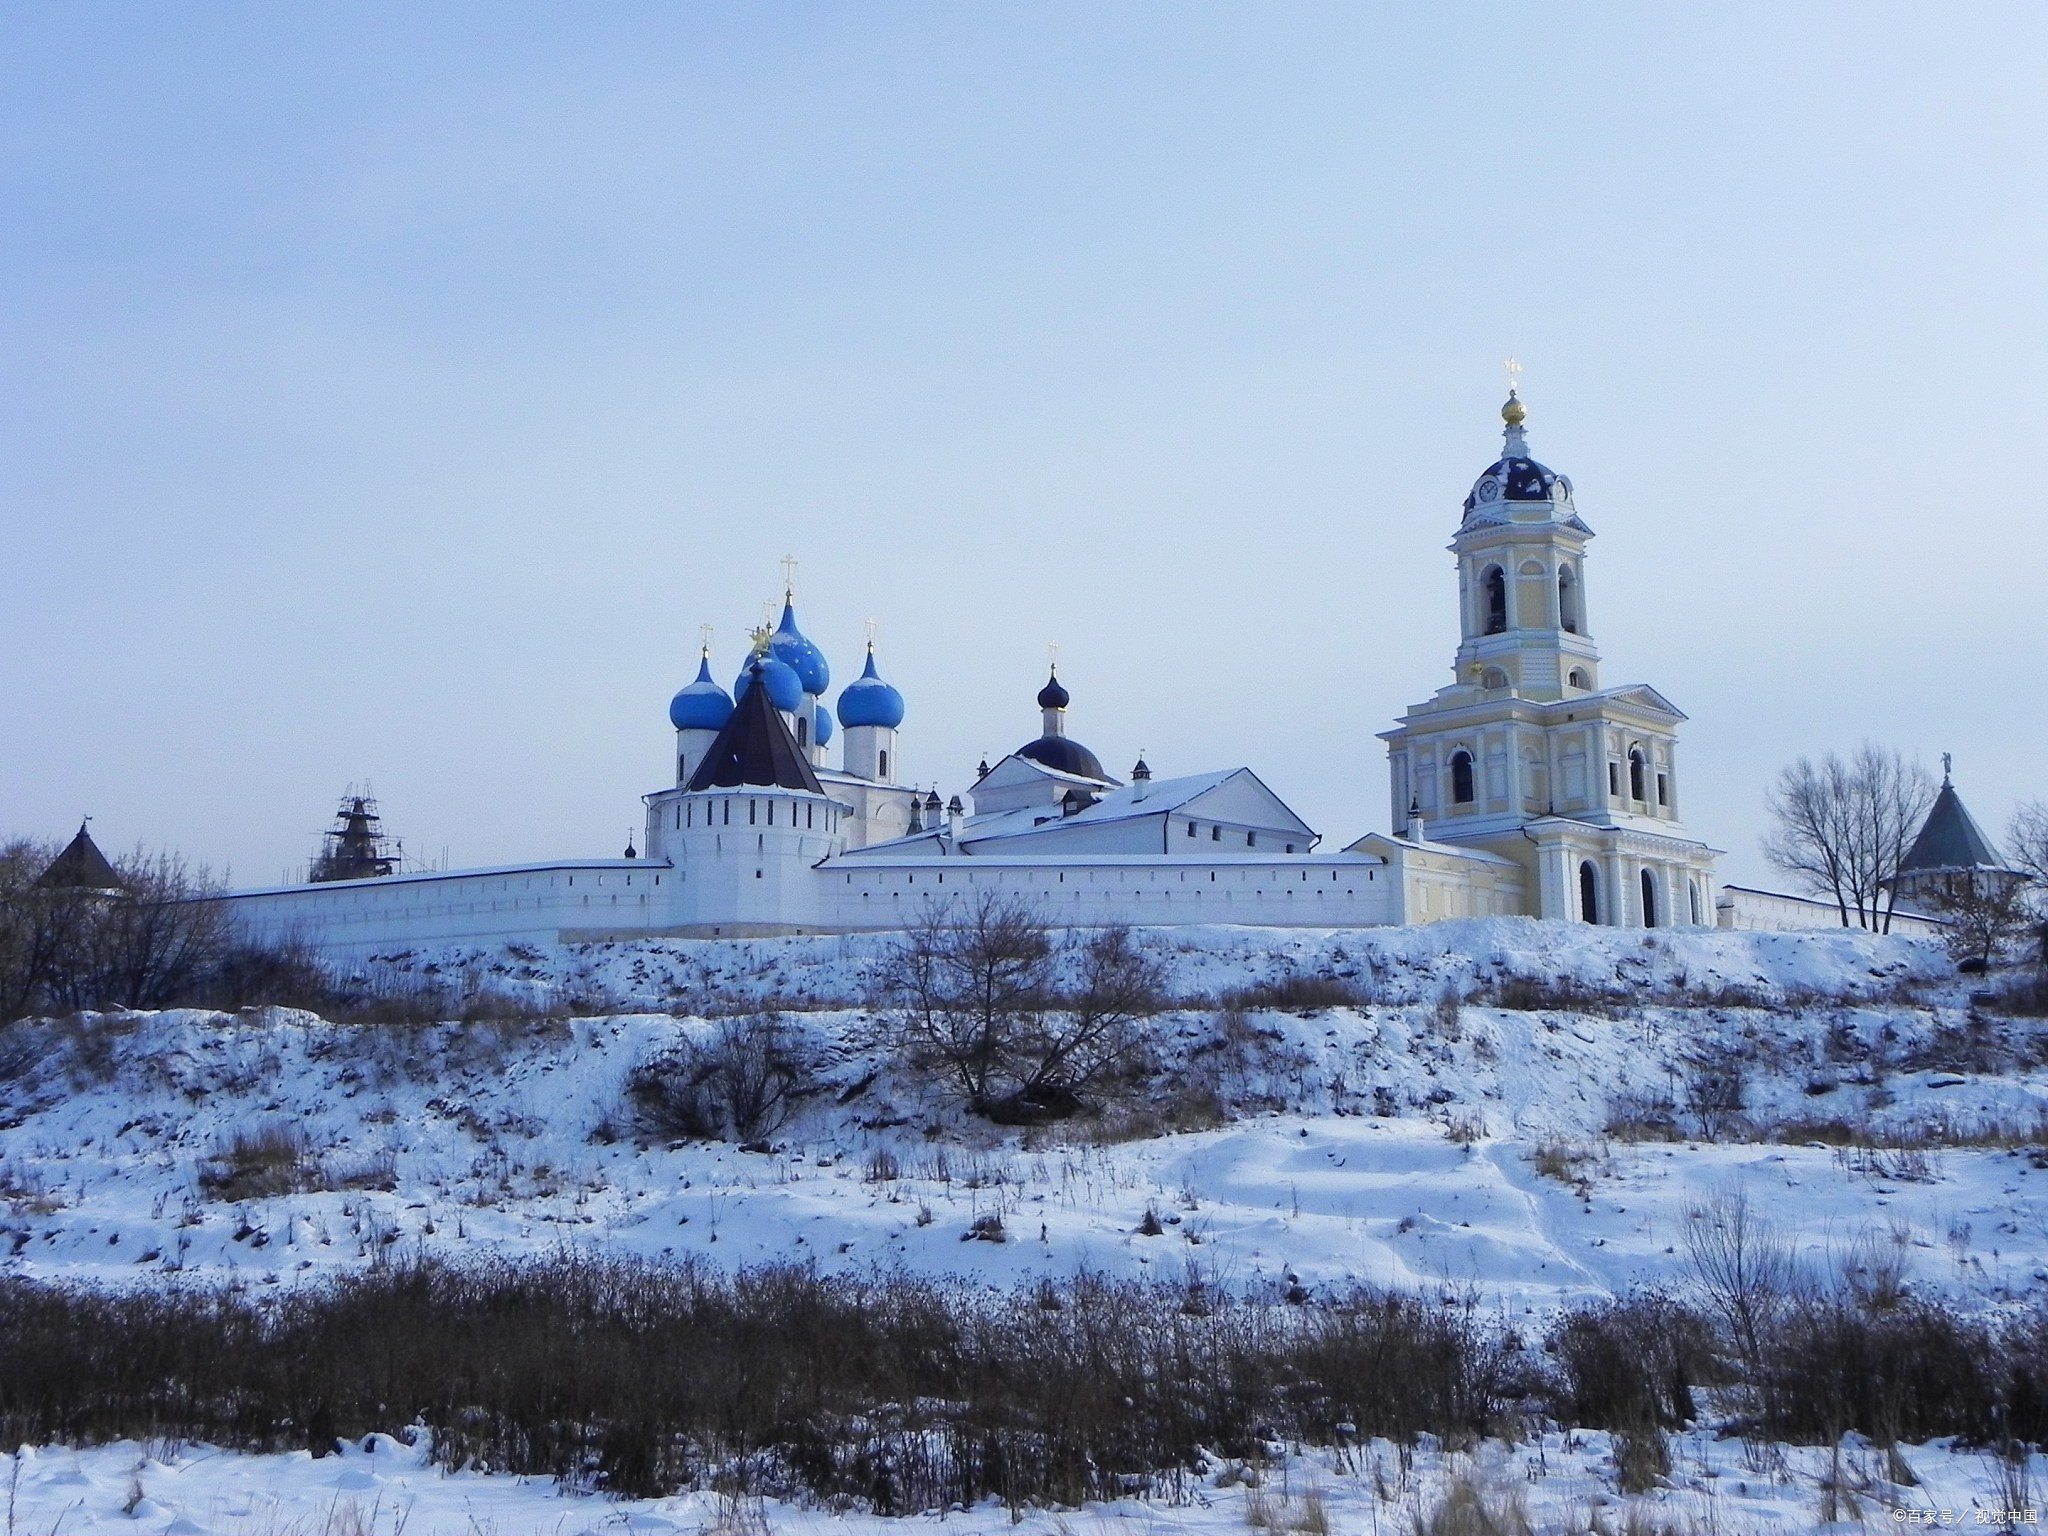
<point x="388" y="393"/>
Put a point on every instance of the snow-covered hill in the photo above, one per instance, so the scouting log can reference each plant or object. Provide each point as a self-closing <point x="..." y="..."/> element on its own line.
<point x="1413" y="1140"/>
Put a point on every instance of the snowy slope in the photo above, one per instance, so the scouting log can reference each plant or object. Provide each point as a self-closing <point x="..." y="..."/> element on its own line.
<point x="1396" y="1142"/>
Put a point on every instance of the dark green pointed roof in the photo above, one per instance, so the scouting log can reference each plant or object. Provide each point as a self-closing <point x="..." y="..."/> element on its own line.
<point x="755" y="748"/>
<point x="1950" y="839"/>
<point x="81" y="867"/>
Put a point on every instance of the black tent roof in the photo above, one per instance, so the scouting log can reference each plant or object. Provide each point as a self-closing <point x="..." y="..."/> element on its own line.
<point x="1950" y="839"/>
<point x="755" y="747"/>
<point x="81" y="867"/>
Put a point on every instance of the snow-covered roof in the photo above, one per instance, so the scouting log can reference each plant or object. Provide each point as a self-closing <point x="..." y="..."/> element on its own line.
<point x="1151" y="798"/>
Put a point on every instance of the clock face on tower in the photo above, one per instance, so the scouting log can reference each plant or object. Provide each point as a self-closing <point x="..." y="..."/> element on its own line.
<point x="1489" y="488"/>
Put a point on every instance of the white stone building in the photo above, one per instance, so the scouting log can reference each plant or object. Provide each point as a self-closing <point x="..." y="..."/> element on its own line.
<point x="1523" y="787"/>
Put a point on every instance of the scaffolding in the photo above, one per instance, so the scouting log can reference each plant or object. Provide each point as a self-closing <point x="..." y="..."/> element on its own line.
<point x="355" y="847"/>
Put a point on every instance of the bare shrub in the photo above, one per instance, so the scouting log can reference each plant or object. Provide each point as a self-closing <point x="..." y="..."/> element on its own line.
<point x="742" y="1085"/>
<point x="1472" y="1508"/>
<point x="1716" y="1093"/>
<point x="1744" y="1266"/>
<point x="259" y="1163"/>
<point x="1294" y="992"/>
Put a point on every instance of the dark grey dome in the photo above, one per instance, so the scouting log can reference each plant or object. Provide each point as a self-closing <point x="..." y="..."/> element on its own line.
<point x="1065" y="754"/>
<point x="1518" y="479"/>
<point x="1053" y="695"/>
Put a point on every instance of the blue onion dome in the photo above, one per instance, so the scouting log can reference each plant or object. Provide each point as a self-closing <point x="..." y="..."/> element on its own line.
<point x="867" y="700"/>
<point x="1514" y="476"/>
<point x="785" y="688"/>
<point x="1052" y="695"/>
<point x="789" y="645"/>
<point x="821" y="726"/>
<point x="703" y="705"/>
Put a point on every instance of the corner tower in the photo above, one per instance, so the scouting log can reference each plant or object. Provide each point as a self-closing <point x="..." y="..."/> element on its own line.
<point x="1525" y="754"/>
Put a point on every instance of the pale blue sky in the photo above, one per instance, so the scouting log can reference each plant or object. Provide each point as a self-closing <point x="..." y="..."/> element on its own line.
<point x="389" y="392"/>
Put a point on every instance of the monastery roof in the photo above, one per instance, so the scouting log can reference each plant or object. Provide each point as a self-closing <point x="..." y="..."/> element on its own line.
<point x="755" y="748"/>
<point x="1150" y="798"/>
<point x="81" y="867"/>
<point x="1950" y="838"/>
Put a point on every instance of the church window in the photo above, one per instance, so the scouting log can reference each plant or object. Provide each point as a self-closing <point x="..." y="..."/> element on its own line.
<point x="1191" y="829"/>
<point x="1461" y="777"/>
<point x="752" y="807"/>
<point x="1568" y="602"/>
<point x="1290" y="849"/>
<point x="1215" y="834"/>
<point x="682" y="769"/>
<point x="1663" y="790"/>
<point x="1692" y="891"/>
<point x="728" y="811"/>
<point x="1578" y="679"/>
<point x="1251" y="839"/>
<point x="1493" y="677"/>
<point x="1496" y="583"/>
<point x="1636" y="790"/>
<point x="1649" y="899"/>
<point x="1589" y="892"/>
<point x="1614" y="780"/>
<point x="882" y="769"/>
<point x="809" y="814"/>
<point x="803" y="731"/>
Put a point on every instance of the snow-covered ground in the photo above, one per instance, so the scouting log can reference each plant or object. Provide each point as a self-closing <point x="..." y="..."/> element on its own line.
<point x="1427" y="1138"/>
<point x="1560" y="1482"/>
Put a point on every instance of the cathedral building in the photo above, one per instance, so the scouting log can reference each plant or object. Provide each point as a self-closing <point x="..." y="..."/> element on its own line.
<point x="1525" y="786"/>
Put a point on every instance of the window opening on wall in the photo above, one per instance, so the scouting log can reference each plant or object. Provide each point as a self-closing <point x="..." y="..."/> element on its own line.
<point x="1461" y="777"/>
<point x="1191" y="829"/>
<point x="1692" y="892"/>
<point x="882" y="761"/>
<point x="1663" y="790"/>
<point x="1215" y="834"/>
<point x="728" y="811"/>
<point x="1649" y="900"/>
<point x="682" y="769"/>
<point x="1567" y="601"/>
<point x="1496" y="583"/>
<point x="803" y="731"/>
<point x="1589" y="892"/>
<point x="1251" y="839"/>
<point x="1614" y="780"/>
<point x="1636" y="789"/>
<point x="752" y="806"/>
<point x="1579" y="679"/>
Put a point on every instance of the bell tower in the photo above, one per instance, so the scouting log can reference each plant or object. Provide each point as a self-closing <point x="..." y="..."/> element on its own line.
<point x="1522" y="579"/>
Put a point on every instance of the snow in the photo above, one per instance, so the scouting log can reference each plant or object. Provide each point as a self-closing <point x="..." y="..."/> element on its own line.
<point x="1397" y="1142"/>
<point x="387" y="1487"/>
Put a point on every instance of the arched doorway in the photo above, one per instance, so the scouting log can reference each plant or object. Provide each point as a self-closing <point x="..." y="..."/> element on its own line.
<point x="1589" y="892"/>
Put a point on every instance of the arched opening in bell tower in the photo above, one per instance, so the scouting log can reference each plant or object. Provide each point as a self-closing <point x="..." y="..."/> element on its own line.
<point x="1495" y="582"/>
<point x="1649" y="899"/>
<point x="1589" y="892"/>
<point x="1636" y="767"/>
<point x="1567" y="600"/>
<point x="1461" y="778"/>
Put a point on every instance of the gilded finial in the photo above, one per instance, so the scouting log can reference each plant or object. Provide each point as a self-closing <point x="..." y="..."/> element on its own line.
<point x="1514" y="412"/>
<point x="704" y="640"/>
<point x="762" y="636"/>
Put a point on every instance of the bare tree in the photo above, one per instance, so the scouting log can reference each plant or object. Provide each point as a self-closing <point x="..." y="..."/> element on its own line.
<point x="962" y="984"/>
<point x="1023" y="1026"/>
<point x="1984" y="916"/>
<point x="2026" y="839"/>
<point x="1843" y="828"/>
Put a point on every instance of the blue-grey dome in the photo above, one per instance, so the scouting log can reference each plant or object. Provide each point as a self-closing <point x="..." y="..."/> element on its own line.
<point x="785" y="688"/>
<point x="1065" y="754"/>
<point x="867" y="700"/>
<point x="789" y="645"/>
<point x="703" y="705"/>
<point x="1519" y="479"/>
<point x="822" y="726"/>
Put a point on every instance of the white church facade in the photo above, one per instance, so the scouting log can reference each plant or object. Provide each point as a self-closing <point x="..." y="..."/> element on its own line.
<point x="1523" y="787"/>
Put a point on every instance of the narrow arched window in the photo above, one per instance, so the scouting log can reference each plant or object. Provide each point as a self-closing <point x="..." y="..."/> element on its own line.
<point x="882" y="764"/>
<point x="803" y="731"/>
<point x="1635" y="774"/>
<point x="1567" y="600"/>
<point x="1649" y="900"/>
<point x="1461" y="777"/>
<point x="1579" y="679"/>
<point x="1589" y="892"/>
<point x="682" y="769"/>
<point x="1496" y="581"/>
<point x="1692" y="891"/>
